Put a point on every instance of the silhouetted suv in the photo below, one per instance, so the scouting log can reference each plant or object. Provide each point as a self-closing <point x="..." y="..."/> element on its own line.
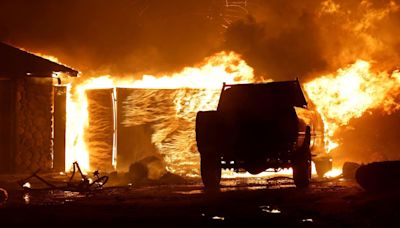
<point x="261" y="126"/>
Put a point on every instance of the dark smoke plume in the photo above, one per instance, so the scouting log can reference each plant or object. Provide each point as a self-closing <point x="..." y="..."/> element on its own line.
<point x="281" y="39"/>
<point x="288" y="39"/>
<point x="116" y="37"/>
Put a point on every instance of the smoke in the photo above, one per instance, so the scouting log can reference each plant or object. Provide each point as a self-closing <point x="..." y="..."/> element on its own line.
<point x="114" y="37"/>
<point x="369" y="138"/>
<point x="292" y="53"/>
<point x="307" y="39"/>
<point x="288" y="39"/>
<point x="281" y="39"/>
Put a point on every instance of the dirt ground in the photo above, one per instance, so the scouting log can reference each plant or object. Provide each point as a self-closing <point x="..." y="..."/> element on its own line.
<point x="241" y="201"/>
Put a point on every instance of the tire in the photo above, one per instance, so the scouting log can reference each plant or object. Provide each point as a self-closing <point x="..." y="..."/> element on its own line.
<point x="210" y="168"/>
<point x="302" y="164"/>
<point x="302" y="173"/>
<point x="208" y="129"/>
<point x="322" y="166"/>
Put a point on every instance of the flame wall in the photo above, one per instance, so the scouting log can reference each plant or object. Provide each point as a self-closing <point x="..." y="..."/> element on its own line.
<point x="99" y="134"/>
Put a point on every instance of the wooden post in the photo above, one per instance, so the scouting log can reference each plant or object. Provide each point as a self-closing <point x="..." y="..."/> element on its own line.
<point x="6" y="125"/>
<point x="60" y="101"/>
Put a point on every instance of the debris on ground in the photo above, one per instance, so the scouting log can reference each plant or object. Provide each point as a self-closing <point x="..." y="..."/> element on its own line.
<point x="379" y="176"/>
<point x="151" y="170"/>
<point x="151" y="167"/>
<point x="349" y="170"/>
<point x="85" y="184"/>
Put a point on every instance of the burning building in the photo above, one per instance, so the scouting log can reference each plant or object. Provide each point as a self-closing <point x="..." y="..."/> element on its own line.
<point x="27" y="107"/>
<point x="114" y="120"/>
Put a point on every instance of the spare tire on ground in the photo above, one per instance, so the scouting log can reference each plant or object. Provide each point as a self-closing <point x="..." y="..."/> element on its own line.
<point x="379" y="176"/>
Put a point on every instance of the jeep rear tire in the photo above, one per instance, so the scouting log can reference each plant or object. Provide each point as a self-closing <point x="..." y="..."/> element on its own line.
<point x="302" y="170"/>
<point x="210" y="168"/>
<point x="302" y="164"/>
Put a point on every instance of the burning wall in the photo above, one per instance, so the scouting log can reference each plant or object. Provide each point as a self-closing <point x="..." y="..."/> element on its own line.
<point x="158" y="110"/>
<point x="99" y="136"/>
<point x="151" y="123"/>
<point x="170" y="114"/>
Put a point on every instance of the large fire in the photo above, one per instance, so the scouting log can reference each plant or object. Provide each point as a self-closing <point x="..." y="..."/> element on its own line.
<point x="206" y="79"/>
<point x="339" y="97"/>
<point x="350" y="93"/>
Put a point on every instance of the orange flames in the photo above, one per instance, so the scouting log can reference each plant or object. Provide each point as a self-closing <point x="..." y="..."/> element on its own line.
<point x="207" y="78"/>
<point x="339" y="97"/>
<point x="350" y="93"/>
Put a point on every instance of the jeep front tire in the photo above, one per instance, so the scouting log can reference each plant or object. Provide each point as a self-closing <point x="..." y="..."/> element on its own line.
<point x="210" y="168"/>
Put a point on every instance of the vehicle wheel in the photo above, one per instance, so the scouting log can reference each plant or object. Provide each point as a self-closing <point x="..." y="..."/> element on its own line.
<point x="302" y="164"/>
<point x="322" y="166"/>
<point x="302" y="172"/>
<point x="210" y="168"/>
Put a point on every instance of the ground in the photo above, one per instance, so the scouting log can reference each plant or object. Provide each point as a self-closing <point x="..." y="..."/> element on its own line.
<point x="241" y="201"/>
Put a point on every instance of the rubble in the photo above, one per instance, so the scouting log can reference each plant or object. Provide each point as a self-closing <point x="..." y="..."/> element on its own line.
<point x="379" y="176"/>
<point x="152" y="170"/>
<point x="84" y="185"/>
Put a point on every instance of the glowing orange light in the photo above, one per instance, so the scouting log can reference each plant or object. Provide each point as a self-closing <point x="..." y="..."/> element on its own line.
<point x="349" y="93"/>
<point x="205" y="79"/>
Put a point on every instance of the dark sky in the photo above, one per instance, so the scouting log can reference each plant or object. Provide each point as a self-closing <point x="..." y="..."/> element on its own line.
<point x="281" y="39"/>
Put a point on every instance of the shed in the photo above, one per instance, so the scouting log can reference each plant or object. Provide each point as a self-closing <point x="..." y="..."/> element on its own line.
<point x="27" y="105"/>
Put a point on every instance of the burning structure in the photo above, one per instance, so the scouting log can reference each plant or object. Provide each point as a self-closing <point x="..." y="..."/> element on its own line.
<point x="27" y="106"/>
<point x="129" y="115"/>
<point x="148" y="66"/>
<point x="150" y="117"/>
<point x="113" y="122"/>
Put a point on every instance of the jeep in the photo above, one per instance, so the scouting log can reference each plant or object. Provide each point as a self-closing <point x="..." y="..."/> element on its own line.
<point x="260" y="126"/>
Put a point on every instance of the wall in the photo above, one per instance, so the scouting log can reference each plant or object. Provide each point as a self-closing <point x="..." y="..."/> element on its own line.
<point x="99" y="135"/>
<point x="33" y="124"/>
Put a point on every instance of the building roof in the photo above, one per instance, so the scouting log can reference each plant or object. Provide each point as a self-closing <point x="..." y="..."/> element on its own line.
<point x="14" y="61"/>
